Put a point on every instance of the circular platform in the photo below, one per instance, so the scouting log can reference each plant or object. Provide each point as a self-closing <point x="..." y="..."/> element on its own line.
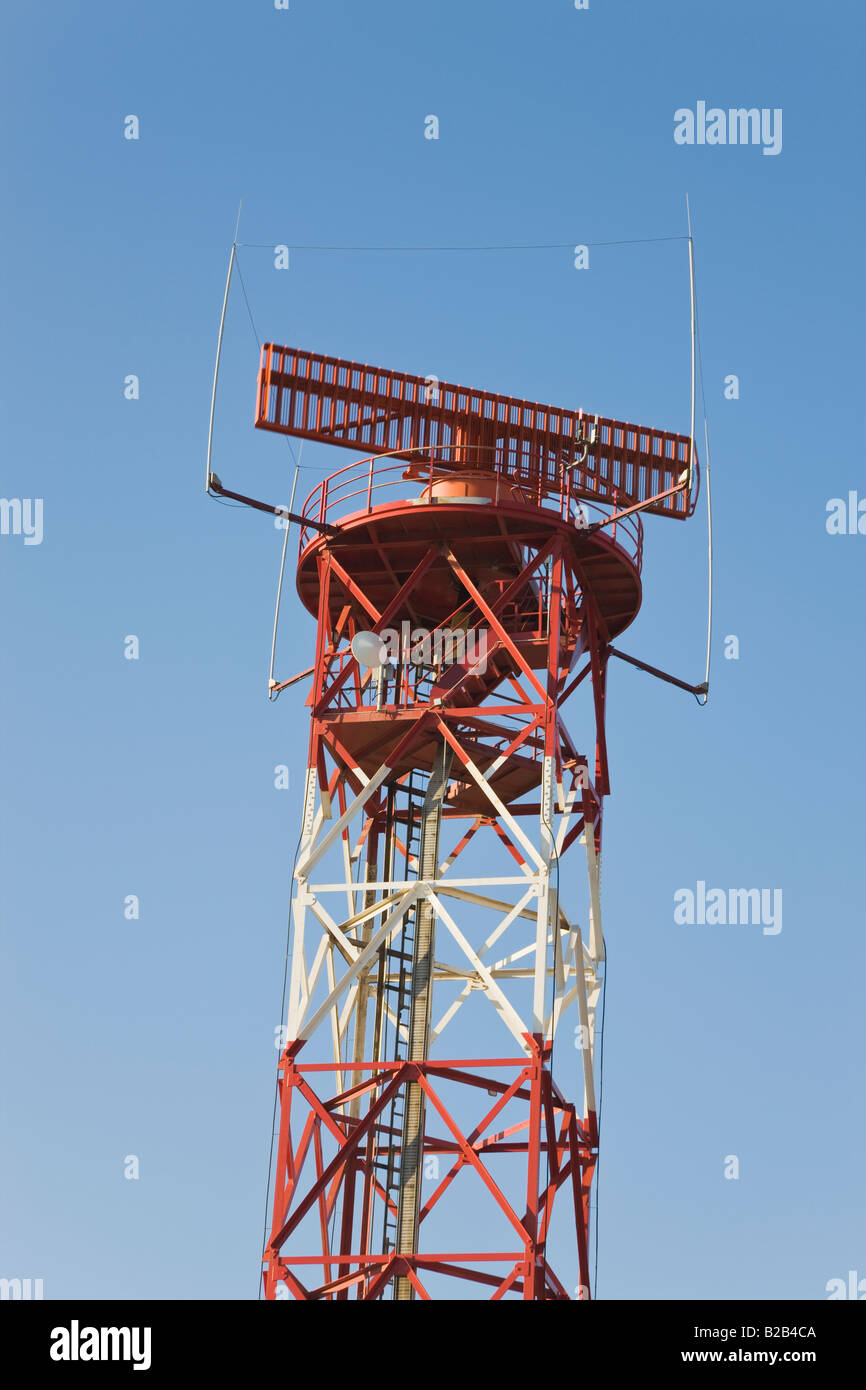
<point x="380" y="547"/>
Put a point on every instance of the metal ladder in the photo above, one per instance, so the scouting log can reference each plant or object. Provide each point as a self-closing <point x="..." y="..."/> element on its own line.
<point x="401" y="992"/>
<point x="411" y="1159"/>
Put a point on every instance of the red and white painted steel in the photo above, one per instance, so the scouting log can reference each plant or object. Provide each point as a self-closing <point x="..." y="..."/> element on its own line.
<point x="494" y="517"/>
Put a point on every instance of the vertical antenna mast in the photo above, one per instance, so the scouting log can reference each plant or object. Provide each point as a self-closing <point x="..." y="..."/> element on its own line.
<point x="216" y="367"/>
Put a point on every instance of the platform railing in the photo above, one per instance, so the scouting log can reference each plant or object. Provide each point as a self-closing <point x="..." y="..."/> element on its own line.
<point x="365" y="485"/>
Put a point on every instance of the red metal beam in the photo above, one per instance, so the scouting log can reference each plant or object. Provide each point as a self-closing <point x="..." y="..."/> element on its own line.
<point x="551" y="1127"/>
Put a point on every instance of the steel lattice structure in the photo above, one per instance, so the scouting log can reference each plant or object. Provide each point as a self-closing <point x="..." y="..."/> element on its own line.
<point x="446" y="809"/>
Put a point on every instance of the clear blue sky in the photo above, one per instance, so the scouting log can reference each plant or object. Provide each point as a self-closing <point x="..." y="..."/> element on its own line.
<point x="155" y="777"/>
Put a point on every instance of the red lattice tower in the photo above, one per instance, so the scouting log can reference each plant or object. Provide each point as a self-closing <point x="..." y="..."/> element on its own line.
<point x="492" y="548"/>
